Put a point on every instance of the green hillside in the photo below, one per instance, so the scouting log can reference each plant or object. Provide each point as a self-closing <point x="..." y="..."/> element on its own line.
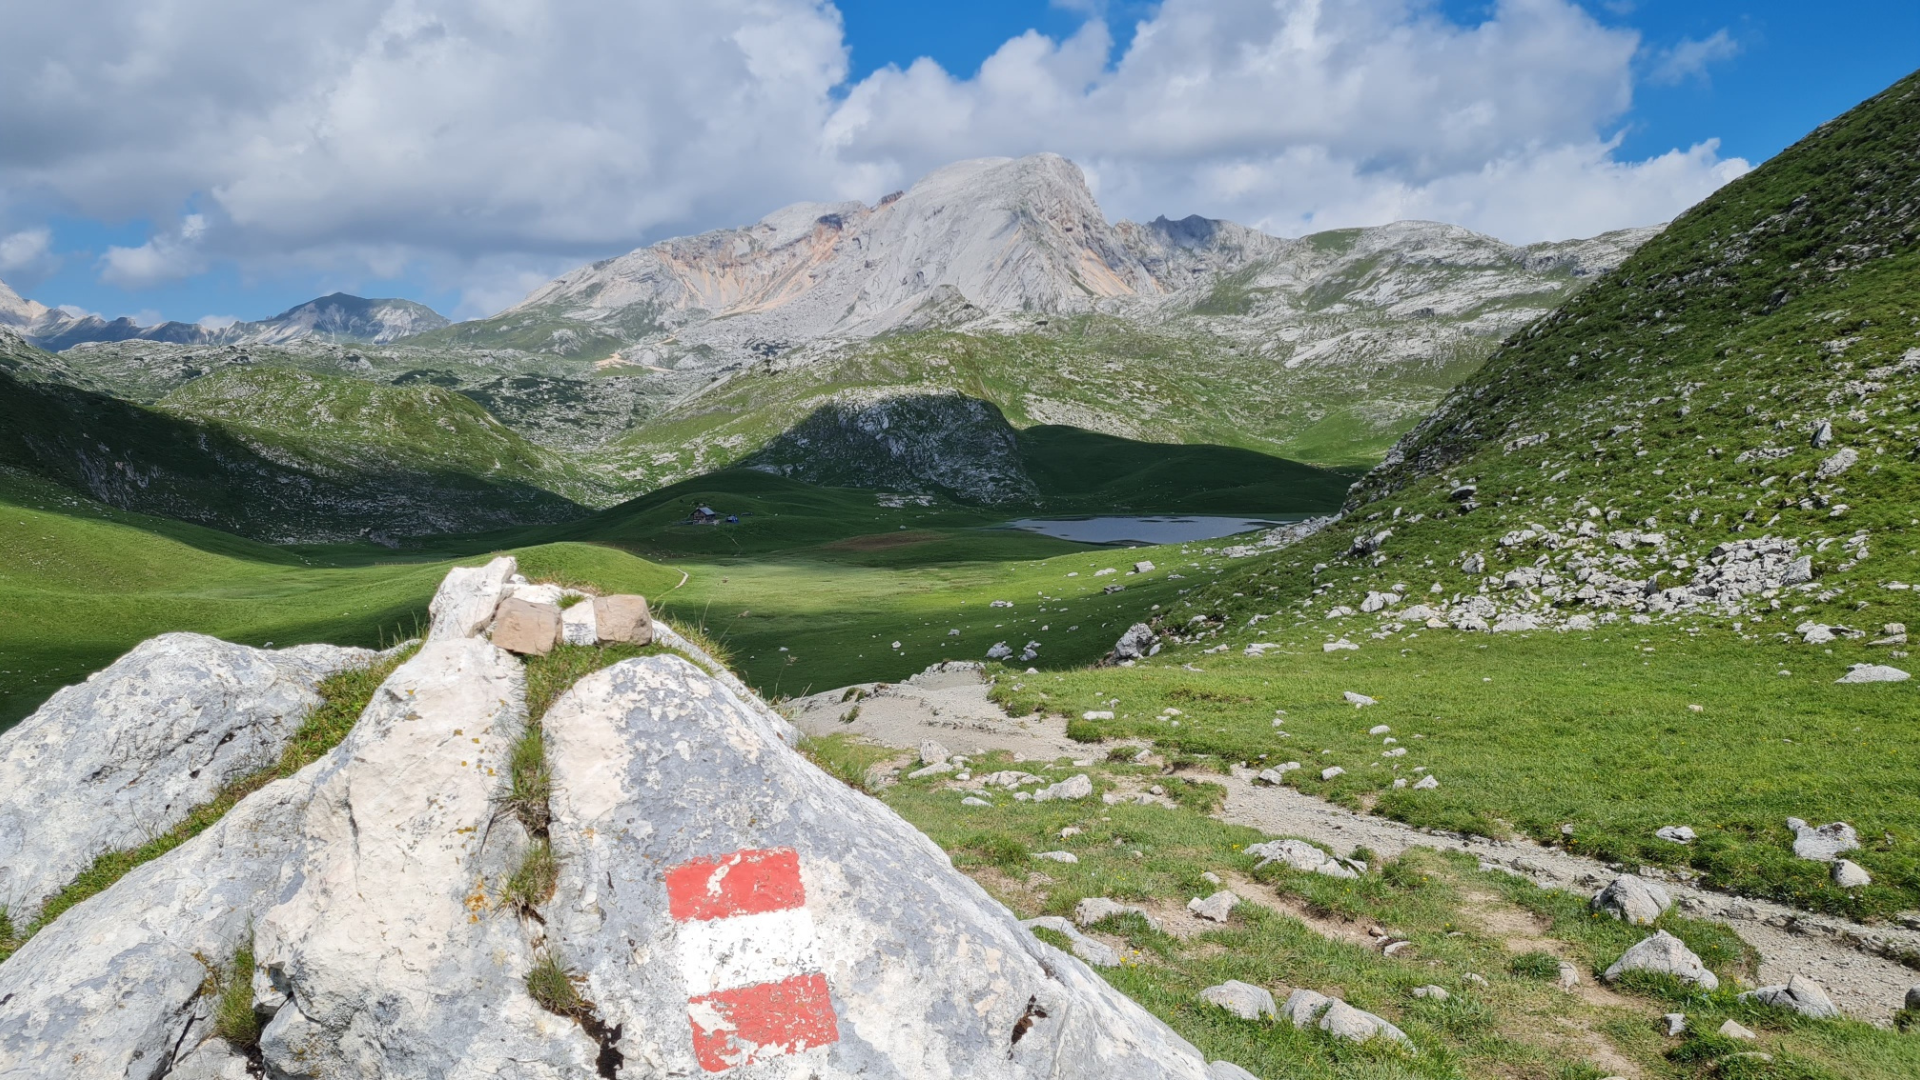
<point x="1742" y="385"/>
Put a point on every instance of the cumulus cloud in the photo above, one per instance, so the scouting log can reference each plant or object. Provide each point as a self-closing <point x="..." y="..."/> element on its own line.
<point x="216" y="322"/>
<point x="27" y="255"/>
<point x="495" y="144"/>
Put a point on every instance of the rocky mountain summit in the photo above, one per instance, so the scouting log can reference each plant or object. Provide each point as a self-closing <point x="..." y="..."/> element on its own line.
<point x="335" y="318"/>
<point x="715" y="904"/>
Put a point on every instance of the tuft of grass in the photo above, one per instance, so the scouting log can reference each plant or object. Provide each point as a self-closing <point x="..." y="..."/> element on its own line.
<point x="529" y="781"/>
<point x="551" y="986"/>
<point x="234" y="1018"/>
<point x="1535" y="965"/>
<point x="554" y="674"/>
<point x="343" y="696"/>
<point x="568" y="600"/>
<point x="533" y="881"/>
<point x="845" y="758"/>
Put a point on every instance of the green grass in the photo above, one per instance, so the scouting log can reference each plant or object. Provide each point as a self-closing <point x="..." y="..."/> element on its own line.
<point x="231" y="986"/>
<point x="1521" y="1024"/>
<point x="1527" y="733"/>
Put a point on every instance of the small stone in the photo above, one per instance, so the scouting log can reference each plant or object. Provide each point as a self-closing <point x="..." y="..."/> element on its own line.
<point x="1873" y="673"/>
<point x="938" y="768"/>
<point x="1569" y="976"/>
<point x="1331" y="772"/>
<point x="1358" y="701"/>
<point x="1800" y="994"/>
<point x="623" y="617"/>
<point x="1823" y="844"/>
<point x="1378" y="729"/>
<point x="1676" y="834"/>
<point x="1676" y="1024"/>
<point x="932" y="753"/>
<point x="1664" y="954"/>
<point x="1850" y="875"/>
<point x="1633" y="900"/>
<point x="974" y="800"/>
<point x="1244" y="1000"/>
<point x="1474" y="980"/>
<point x="1343" y="1021"/>
<point x="1214" y="908"/>
<point x="1913" y="997"/>
<point x="1073" y="787"/>
<point x="1434" y="992"/>
<point x="525" y="628"/>
<point x="1057" y="856"/>
<point x="1143" y="567"/>
<point x="1733" y="1030"/>
<point x="1426" y="783"/>
<point x="1211" y="878"/>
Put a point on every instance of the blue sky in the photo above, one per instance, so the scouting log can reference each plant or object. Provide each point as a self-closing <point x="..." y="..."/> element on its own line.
<point x="1754" y="76"/>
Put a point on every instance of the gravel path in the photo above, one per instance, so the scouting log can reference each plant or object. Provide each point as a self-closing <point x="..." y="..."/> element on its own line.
<point x="1855" y="962"/>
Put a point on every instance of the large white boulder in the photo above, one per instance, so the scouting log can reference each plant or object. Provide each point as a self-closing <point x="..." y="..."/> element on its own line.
<point x="108" y="763"/>
<point x="463" y="605"/>
<point x="726" y="903"/>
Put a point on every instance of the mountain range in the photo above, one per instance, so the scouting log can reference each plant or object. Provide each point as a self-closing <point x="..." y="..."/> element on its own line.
<point x="337" y="317"/>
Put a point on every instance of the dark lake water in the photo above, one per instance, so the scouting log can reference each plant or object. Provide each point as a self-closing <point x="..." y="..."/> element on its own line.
<point x="1147" y="529"/>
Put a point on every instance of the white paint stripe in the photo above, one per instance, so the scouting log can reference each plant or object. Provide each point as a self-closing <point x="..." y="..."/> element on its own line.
<point x="722" y="954"/>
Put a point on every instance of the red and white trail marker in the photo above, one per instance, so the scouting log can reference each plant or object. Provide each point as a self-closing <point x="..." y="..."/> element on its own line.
<point x="754" y="985"/>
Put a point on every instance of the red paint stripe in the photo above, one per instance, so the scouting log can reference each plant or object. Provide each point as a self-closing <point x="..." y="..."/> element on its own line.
<point x="743" y="883"/>
<point x="768" y="1020"/>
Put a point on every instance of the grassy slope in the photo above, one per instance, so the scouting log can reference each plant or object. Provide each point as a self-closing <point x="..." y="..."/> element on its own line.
<point x="82" y="583"/>
<point x="1775" y="303"/>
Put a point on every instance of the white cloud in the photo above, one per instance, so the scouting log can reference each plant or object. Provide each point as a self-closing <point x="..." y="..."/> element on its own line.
<point x="26" y="256"/>
<point x="216" y="322"/>
<point x="495" y="143"/>
<point x="166" y="257"/>
<point x="1689" y="59"/>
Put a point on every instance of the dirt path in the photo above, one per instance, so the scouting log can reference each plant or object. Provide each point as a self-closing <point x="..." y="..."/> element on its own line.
<point x="1852" y="960"/>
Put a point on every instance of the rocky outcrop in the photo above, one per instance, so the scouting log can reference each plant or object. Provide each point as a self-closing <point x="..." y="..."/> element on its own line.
<point x="464" y="604"/>
<point x="720" y="905"/>
<point x="106" y="764"/>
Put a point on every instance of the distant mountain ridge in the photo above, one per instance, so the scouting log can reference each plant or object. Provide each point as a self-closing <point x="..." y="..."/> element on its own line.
<point x="978" y="241"/>
<point x="337" y="318"/>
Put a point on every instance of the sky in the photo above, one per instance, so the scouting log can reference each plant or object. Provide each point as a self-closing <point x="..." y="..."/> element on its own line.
<point x="221" y="159"/>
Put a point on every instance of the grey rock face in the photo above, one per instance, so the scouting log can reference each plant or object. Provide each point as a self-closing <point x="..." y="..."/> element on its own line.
<point x="107" y="763"/>
<point x="1244" y="1000"/>
<point x="111" y="988"/>
<point x="464" y="603"/>
<point x="1666" y="955"/>
<point x="390" y="947"/>
<point x="1633" y="899"/>
<point x="1825" y="843"/>
<point x="898" y="965"/>
<point x="1800" y="994"/>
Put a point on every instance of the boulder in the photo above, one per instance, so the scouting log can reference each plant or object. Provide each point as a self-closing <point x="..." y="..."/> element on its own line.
<point x="467" y="597"/>
<point x="1800" y="994"/>
<point x="1244" y="1000"/>
<point x="1734" y="1030"/>
<point x="1343" y="1021"/>
<point x="1097" y="953"/>
<point x="403" y="854"/>
<point x="1872" y="673"/>
<point x="1633" y="899"/>
<point x="1214" y="908"/>
<point x="1825" y="843"/>
<point x="1436" y="993"/>
<point x="623" y="618"/>
<point x="1138" y="643"/>
<point x="1674" y="1023"/>
<point x="526" y="628"/>
<point x="932" y="753"/>
<point x="722" y="901"/>
<point x="1664" y="954"/>
<point x="1675" y="834"/>
<point x="108" y="763"/>
<point x="1303" y="1007"/>
<point x="579" y="625"/>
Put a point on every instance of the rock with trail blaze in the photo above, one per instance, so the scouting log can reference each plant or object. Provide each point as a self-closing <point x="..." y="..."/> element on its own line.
<point x="1664" y="954"/>
<point x="727" y="906"/>
<point x="467" y="597"/>
<point x="388" y="951"/>
<point x="106" y="764"/>
<point x="623" y="618"/>
<point x="1800" y="994"/>
<point x="1138" y="643"/>
<point x="1633" y="899"/>
<point x="526" y="628"/>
